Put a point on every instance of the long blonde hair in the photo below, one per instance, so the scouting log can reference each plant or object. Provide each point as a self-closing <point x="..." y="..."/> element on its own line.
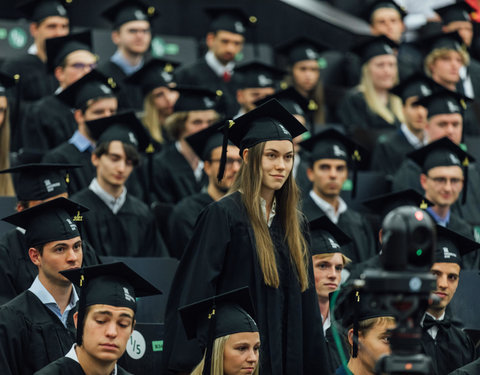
<point x="6" y="183"/>
<point x="217" y="359"/>
<point x="249" y="182"/>
<point x="387" y="112"/>
<point x="151" y="120"/>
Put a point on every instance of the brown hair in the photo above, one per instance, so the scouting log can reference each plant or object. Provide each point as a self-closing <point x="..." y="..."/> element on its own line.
<point x="325" y="256"/>
<point x="439" y="53"/>
<point x="130" y="151"/>
<point x="6" y="183"/>
<point x="366" y="325"/>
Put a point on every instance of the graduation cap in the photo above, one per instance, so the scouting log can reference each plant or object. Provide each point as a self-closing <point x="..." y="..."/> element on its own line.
<point x="114" y="284"/>
<point x="59" y="48"/>
<point x="458" y="11"/>
<point x="128" y="10"/>
<point x="301" y="48"/>
<point x="258" y="74"/>
<point x="415" y="85"/>
<point x="38" y="10"/>
<point x="372" y="46"/>
<point x="204" y="141"/>
<point x="229" y="18"/>
<point x="40" y="181"/>
<point x="452" y="246"/>
<point x="155" y="73"/>
<point x="6" y="81"/>
<point x="291" y="99"/>
<point x="50" y="221"/>
<point x="194" y="98"/>
<point x="93" y="85"/>
<point x="218" y="316"/>
<point x="440" y="40"/>
<point x="380" y="4"/>
<point x="385" y="203"/>
<point x="444" y="101"/>
<point x="327" y="237"/>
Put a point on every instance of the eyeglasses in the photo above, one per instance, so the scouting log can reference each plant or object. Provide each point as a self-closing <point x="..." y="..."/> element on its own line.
<point x="82" y="66"/>
<point x="229" y="161"/>
<point x="442" y="181"/>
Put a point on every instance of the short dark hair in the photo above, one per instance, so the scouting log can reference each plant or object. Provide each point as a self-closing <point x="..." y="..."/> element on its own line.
<point x="130" y="151"/>
<point x="39" y="248"/>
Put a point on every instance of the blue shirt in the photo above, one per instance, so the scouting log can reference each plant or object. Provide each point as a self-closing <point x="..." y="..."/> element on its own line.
<point x="128" y="69"/>
<point x="81" y="142"/>
<point x="47" y="299"/>
<point x="440" y="221"/>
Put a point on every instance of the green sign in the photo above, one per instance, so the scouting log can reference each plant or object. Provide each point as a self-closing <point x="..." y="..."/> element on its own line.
<point x="160" y="48"/>
<point x="17" y="38"/>
<point x="157" y="346"/>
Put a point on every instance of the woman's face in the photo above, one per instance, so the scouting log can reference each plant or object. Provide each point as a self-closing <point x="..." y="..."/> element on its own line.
<point x="306" y="74"/>
<point x="277" y="163"/>
<point x="383" y="71"/>
<point x="3" y="109"/>
<point x="164" y="100"/>
<point x="241" y="353"/>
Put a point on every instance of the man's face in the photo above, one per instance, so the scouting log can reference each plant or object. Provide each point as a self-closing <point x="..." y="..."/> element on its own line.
<point x="57" y="256"/>
<point x="106" y="332"/>
<point x="113" y="167"/>
<point x="328" y="176"/>
<point x="445" y="69"/>
<point x="415" y="114"/>
<point x="374" y="344"/>
<point x="198" y="120"/>
<point x="133" y="38"/>
<point x="464" y="29"/>
<point x="306" y="74"/>
<point x="50" y="27"/>
<point x="234" y="161"/>
<point x="443" y="185"/>
<point x="77" y="64"/>
<point x="99" y="108"/>
<point x="225" y="45"/>
<point x="246" y="97"/>
<point x="388" y="22"/>
<point x="327" y="273"/>
<point x="445" y="125"/>
<point x="164" y="100"/>
<point x="447" y="282"/>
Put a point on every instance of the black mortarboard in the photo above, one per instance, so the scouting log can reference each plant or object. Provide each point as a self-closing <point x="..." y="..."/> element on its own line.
<point x="441" y="40"/>
<point x="444" y="101"/>
<point x="128" y="10"/>
<point x="372" y="46"/>
<point x="326" y="237"/>
<point x="50" y="221"/>
<point x="385" y="203"/>
<point x="459" y="11"/>
<point x="38" y="10"/>
<point x="229" y="18"/>
<point x="93" y="85"/>
<point x="452" y="246"/>
<point x="155" y="73"/>
<point x="124" y="127"/>
<point x="59" y="48"/>
<point x="379" y="4"/>
<point x="196" y="99"/>
<point x="204" y="141"/>
<point x="417" y="84"/>
<point x="114" y="284"/>
<point x="40" y="181"/>
<point x="258" y="74"/>
<point x="6" y="81"/>
<point x="218" y="316"/>
<point x="300" y="48"/>
<point x="291" y="99"/>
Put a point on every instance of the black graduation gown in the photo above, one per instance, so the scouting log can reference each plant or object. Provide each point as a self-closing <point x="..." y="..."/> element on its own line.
<point x="200" y="74"/>
<point x="31" y="336"/>
<point x="130" y="232"/>
<point x="182" y="221"/>
<point x="301" y="177"/>
<point x="473" y="368"/>
<point x="48" y="123"/>
<point x="389" y="152"/>
<point x="173" y="177"/>
<point x="470" y="261"/>
<point x="221" y="256"/>
<point x="80" y="178"/>
<point x="68" y="366"/>
<point x="451" y="349"/>
<point x="17" y="271"/>
<point x="353" y="224"/>
<point x="334" y="356"/>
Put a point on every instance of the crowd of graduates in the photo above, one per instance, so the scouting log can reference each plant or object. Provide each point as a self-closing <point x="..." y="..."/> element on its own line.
<point x="269" y="183"/>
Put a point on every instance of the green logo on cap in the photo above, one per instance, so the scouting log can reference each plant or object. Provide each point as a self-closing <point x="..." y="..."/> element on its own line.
<point x="161" y="48"/>
<point x="157" y="346"/>
<point x="17" y="38"/>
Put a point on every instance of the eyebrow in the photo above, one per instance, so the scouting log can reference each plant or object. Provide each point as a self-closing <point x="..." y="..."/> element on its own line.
<point x="272" y="149"/>
<point x="122" y="315"/>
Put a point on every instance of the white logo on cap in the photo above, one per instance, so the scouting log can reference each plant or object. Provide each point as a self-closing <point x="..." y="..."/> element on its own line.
<point x="209" y="103"/>
<point x="263" y="80"/>
<point x="311" y="54"/>
<point x="333" y="244"/>
<point x="239" y="28"/>
<point x="128" y="297"/>
<point x="166" y="76"/>
<point x="49" y="186"/>
<point x="338" y="151"/>
<point x="283" y="129"/>
<point x="388" y="49"/>
<point x="452" y="107"/>
<point x="447" y="254"/>
<point x="105" y="89"/>
<point x="425" y="90"/>
<point x="139" y="15"/>
<point x="132" y="138"/>
<point x="454" y="159"/>
<point x="73" y="226"/>
<point x="61" y="10"/>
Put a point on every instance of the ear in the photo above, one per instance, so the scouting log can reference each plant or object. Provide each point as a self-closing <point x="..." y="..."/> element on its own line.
<point x="78" y="115"/>
<point x="35" y="256"/>
<point x="207" y="167"/>
<point x="209" y="39"/>
<point x="33" y="29"/>
<point x="245" y="155"/>
<point x="58" y="72"/>
<point x="75" y="319"/>
<point x="380" y="235"/>
<point x="310" y="174"/>
<point x="133" y="325"/>
<point x="239" y="96"/>
<point x="95" y="160"/>
<point x="350" y="336"/>
<point x="115" y="37"/>
<point x="423" y="181"/>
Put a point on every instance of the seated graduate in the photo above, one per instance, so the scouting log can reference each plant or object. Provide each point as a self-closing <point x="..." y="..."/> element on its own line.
<point x="224" y="327"/>
<point x="105" y="319"/>
<point x="207" y="144"/>
<point x="37" y="327"/>
<point x="119" y="223"/>
<point x="35" y="183"/>
<point x="328" y="259"/>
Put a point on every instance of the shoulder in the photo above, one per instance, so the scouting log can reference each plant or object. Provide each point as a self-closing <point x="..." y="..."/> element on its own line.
<point x="62" y="366"/>
<point x="83" y="194"/>
<point x="137" y="205"/>
<point x="121" y="371"/>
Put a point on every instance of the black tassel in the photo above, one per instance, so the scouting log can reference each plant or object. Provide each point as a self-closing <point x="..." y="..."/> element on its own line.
<point x="210" y="339"/>
<point x="356" y="308"/>
<point x="223" y="158"/>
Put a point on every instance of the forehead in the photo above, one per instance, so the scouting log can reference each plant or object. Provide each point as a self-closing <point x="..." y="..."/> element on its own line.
<point x="113" y="310"/>
<point x="384" y="13"/>
<point x="447" y="171"/>
<point x="280" y="146"/>
<point x="103" y="102"/>
<point x="227" y="35"/>
<point x="53" y="20"/>
<point x="136" y="24"/>
<point x="116" y="147"/>
<point x="446" y="117"/>
<point x="335" y="258"/>
<point x="71" y="241"/>
<point x="331" y="162"/>
<point x="205" y="114"/>
<point x="81" y="56"/>
<point x="446" y="268"/>
<point x="382" y="59"/>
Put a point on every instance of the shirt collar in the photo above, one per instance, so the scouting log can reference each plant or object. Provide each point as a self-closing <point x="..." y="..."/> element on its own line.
<point x="328" y="208"/>
<point x="44" y="295"/>
<point x="115" y="204"/>
<point x="217" y="66"/>
<point x="263" y="204"/>
<point x="439" y="220"/>
<point x="128" y="69"/>
<point x="81" y="142"/>
<point x="72" y="354"/>
<point x="412" y="138"/>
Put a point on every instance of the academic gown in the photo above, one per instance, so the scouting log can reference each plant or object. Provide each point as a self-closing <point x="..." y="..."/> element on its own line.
<point x="31" y="336"/>
<point x="220" y="257"/>
<point x="130" y="232"/>
<point x="473" y="368"/>
<point x="182" y="221"/>
<point x="334" y="356"/>
<point x="353" y="224"/>
<point x="200" y="74"/>
<point x="17" y="271"/>
<point x="68" y="366"/>
<point x="47" y="124"/>
<point x="173" y="177"/>
<point x="471" y="118"/>
<point x="301" y="178"/>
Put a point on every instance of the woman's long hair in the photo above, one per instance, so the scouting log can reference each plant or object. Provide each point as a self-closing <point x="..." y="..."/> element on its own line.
<point x="6" y="184"/>
<point x="249" y="183"/>
<point x="391" y="111"/>
<point x="151" y="119"/>
<point x="217" y="359"/>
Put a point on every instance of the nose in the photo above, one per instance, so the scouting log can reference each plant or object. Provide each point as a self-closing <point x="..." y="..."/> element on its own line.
<point x="280" y="165"/>
<point x="252" y="356"/>
<point x="442" y="282"/>
<point x="111" y="329"/>
<point x="72" y="256"/>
